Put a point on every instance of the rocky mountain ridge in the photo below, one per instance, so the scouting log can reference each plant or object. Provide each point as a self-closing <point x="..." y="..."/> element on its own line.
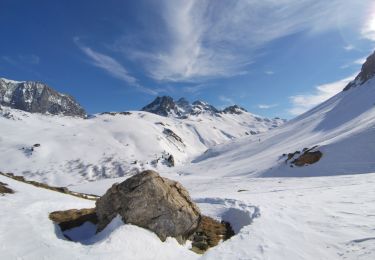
<point x="166" y="106"/>
<point x="37" y="97"/>
<point x="367" y="72"/>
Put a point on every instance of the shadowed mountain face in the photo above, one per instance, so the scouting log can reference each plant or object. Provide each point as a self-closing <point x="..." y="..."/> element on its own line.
<point x="36" y="97"/>
<point x="367" y="72"/>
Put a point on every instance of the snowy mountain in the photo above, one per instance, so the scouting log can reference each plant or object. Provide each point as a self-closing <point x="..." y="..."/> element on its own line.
<point x="36" y="97"/>
<point x="167" y="107"/>
<point x="340" y="133"/>
<point x="329" y="216"/>
<point x="65" y="150"/>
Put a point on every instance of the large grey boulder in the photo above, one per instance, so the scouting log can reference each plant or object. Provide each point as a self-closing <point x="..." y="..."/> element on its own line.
<point x="152" y="202"/>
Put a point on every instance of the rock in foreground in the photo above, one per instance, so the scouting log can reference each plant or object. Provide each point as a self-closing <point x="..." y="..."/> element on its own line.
<point x="152" y="202"/>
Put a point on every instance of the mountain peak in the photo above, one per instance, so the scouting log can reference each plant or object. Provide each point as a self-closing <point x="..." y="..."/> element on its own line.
<point x="367" y="72"/>
<point x="166" y="106"/>
<point x="37" y="97"/>
<point x="162" y="105"/>
<point x="235" y="109"/>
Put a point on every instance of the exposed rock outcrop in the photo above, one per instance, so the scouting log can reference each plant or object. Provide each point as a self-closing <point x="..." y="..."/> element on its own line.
<point x="308" y="158"/>
<point x="234" y="110"/>
<point x="4" y="189"/>
<point x="152" y="202"/>
<point x="124" y="113"/>
<point x="367" y="72"/>
<point x="305" y="157"/>
<point x="68" y="219"/>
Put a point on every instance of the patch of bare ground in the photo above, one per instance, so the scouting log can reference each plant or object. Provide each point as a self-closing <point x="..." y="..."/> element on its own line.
<point x="4" y="189"/>
<point x="48" y="187"/>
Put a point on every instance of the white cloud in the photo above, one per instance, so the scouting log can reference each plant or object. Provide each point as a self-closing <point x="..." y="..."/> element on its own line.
<point x="368" y="30"/>
<point x="195" y="88"/>
<point x="349" y="47"/>
<point x="22" y="59"/>
<point x="304" y="102"/>
<point x="113" y="67"/>
<point x="226" y="100"/>
<point x="269" y="72"/>
<point x="356" y="62"/>
<point x="360" y="61"/>
<point x="201" y="39"/>
<point x="265" y="106"/>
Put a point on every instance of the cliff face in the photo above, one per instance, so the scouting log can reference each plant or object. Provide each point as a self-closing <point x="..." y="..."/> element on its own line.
<point x="367" y="72"/>
<point x="36" y="97"/>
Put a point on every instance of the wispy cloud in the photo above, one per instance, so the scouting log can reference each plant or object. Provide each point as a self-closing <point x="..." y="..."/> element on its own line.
<point x="302" y="103"/>
<point x="226" y="100"/>
<point x="22" y="59"/>
<point x="368" y="29"/>
<point x="112" y="67"/>
<point x="209" y="38"/>
<point x="195" y="88"/>
<point x="349" y="47"/>
<point x="269" y="72"/>
<point x="360" y="61"/>
<point x="265" y="106"/>
<point x="356" y="62"/>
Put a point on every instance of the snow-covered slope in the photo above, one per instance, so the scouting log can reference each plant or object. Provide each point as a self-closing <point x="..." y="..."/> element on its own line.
<point x="64" y="150"/>
<point x="27" y="233"/>
<point x="342" y="128"/>
<point x="305" y="218"/>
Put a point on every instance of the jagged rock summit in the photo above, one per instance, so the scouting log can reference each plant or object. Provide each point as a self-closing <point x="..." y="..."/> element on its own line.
<point x="367" y="72"/>
<point x="166" y="106"/>
<point x="152" y="202"/>
<point x="234" y="110"/>
<point x="37" y="97"/>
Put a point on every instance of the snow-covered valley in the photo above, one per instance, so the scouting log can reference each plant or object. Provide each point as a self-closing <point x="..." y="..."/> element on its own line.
<point x="302" y="190"/>
<point x="72" y="149"/>
<point x="299" y="218"/>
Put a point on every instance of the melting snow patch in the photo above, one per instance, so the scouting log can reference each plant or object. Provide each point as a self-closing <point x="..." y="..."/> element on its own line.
<point x="86" y="233"/>
<point x="237" y="213"/>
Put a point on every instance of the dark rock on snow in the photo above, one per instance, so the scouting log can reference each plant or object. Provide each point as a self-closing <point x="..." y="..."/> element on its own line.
<point x="72" y="218"/>
<point x="4" y="189"/>
<point x="367" y="72"/>
<point x="308" y="158"/>
<point x="152" y="202"/>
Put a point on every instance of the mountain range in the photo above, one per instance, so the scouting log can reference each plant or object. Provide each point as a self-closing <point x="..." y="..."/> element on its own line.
<point x="302" y="189"/>
<point x="46" y="134"/>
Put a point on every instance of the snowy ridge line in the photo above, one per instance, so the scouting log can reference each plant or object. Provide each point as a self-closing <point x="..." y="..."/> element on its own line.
<point x="45" y="186"/>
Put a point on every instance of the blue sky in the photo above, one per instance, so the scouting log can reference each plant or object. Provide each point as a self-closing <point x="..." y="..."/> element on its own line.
<point x="273" y="57"/>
